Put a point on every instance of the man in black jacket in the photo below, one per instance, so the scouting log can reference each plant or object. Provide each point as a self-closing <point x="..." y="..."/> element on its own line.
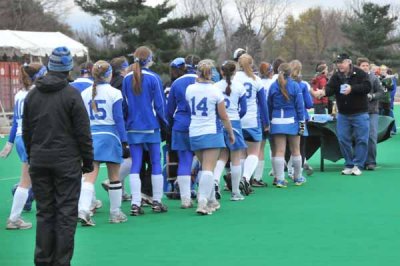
<point x="350" y="85"/>
<point x="56" y="133"/>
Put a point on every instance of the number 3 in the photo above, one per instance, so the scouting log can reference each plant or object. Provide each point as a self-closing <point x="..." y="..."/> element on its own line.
<point x="249" y="89"/>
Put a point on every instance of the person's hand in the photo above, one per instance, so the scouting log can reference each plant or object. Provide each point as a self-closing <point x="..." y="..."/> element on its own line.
<point x="320" y="94"/>
<point x="125" y="150"/>
<point x="370" y="96"/>
<point x="347" y="90"/>
<point x="6" y="150"/>
<point x="231" y="138"/>
<point x="302" y="128"/>
<point x="87" y="166"/>
<point x="266" y="129"/>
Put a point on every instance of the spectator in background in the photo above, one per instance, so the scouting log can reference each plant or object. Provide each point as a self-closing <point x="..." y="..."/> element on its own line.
<point x="350" y="85"/>
<point x="319" y="83"/>
<point x="374" y="95"/>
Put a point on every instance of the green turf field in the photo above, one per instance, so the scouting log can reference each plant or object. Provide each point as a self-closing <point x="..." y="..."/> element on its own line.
<point x="331" y="220"/>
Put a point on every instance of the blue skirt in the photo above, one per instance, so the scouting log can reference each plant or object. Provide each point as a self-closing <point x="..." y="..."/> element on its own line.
<point x="207" y="141"/>
<point x="180" y="141"/>
<point x="252" y="134"/>
<point x="106" y="144"/>
<point x="285" y="128"/>
<point x="20" y="147"/>
<point x="239" y="144"/>
<point x="145" y="136"/>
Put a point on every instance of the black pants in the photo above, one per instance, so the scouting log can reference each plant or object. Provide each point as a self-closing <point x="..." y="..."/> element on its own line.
<point x="57" y="190"/>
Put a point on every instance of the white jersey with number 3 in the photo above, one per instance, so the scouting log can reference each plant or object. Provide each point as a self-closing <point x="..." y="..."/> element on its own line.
<point x="105" y="98"/>
<point x="232" y="101"/>
<point x="203" y="99"/>
<point x="252" y="86"/>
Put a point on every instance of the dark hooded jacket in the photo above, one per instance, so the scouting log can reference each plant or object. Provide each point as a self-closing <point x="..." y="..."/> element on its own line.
<point x="55" y="127"/>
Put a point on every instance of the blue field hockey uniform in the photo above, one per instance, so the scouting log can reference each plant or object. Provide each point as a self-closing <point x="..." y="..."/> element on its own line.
<point x="285" y="115"/>
<point x="82" y="84"/>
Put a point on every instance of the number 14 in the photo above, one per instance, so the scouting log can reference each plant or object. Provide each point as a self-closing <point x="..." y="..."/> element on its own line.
<point x="201" y="106"/>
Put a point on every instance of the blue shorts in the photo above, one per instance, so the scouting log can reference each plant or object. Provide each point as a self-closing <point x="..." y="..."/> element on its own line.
<point x="239" y="144"/>
<point x="20" y="147"/>
<point x="138" y="137"/>
<point x="180" y="141"/>
<point x="207" y="141"/>
<point x="285" y="129"/>
<point x="106" y="145"/>
<point x="252" y="134"/>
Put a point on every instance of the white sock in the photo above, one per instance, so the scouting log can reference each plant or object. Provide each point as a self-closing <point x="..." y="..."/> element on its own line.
<point x="258" y="173"/>
<point x="85" y="200"/>
<point x="184" y="186"/>
<point x="273" y="166"/>
<point x="249" y="166"/>
<point x="289" y="166"/>
<point x="20" y="196"/>
<point x="115" y="194"/>
<point x="157" y="182"/>
<point x="235" y="177"/>
<point x="205" y="185"/>
<point x="296" y="161"/>
<point x="212" y="197"/>
<point x="279" y="163"/>
<point x="219" y="168"/>
<point x="242" y="166"/>
<point x="136" y="186"/>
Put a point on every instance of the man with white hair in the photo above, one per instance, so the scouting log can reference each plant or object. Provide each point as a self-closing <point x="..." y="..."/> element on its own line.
<point x="351" y="86"/>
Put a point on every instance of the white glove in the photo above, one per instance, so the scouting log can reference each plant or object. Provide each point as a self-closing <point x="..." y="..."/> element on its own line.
<point x="6" y="150"/>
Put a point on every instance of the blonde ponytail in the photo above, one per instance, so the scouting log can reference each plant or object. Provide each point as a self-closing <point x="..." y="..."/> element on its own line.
<point x="284" y="73"/>
<point x="246" y="62"/>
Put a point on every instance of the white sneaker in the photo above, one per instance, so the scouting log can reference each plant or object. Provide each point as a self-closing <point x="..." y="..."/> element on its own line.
<point x="202" y="208"/>
<point x="18" y="224"/>
<point x="85" y="218"/>
<point x="356" y="171"/>
<point x="118" y="217"/>
<point x="237" y="197"/>
<point x="213" y="205"/>
<point x="186" y="203"/>
<point x="347" y="171"/>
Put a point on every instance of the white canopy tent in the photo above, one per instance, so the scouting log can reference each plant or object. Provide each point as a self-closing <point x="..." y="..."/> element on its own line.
<point x="38" y="44"/>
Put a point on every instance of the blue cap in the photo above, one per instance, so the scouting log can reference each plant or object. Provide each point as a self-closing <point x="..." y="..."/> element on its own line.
<point x="178" y="62"/>
<point x="60" y="60"/>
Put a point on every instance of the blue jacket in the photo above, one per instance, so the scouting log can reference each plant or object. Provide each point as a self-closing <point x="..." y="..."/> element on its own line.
<point x="178" y="108"/>
<point x="279" y="107"/>
<point x="147" y="110"/>
<point x="308" y="102"/>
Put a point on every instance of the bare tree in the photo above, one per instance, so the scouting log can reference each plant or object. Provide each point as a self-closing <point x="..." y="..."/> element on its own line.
<point x="263" y="16"/>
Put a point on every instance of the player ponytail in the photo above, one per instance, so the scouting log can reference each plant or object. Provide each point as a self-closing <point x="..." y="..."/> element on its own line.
<point x="143" y="57"/>
<point x="246" y="62"/>
<point x="265" y="70"/>
<point x="228" y="71"/>
<point x="204" y="71"/>
<point x="295" y="67"/>
<point x="30" y="72"/>
<point x="284" y="74"/>
<point x="102" y="73"/>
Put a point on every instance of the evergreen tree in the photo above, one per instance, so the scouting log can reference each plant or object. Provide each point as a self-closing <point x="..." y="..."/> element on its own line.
<point x="370" y="33"/>
<point x="139" y="24"/>
<point x="207" y="46"/>
<point x="246" y="38"/>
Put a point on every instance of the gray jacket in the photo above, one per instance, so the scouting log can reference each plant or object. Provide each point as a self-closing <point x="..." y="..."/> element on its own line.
<point x="375" y="94"/>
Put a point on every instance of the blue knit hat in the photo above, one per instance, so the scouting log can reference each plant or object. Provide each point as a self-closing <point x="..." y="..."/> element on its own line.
<point x="61" y="60"/>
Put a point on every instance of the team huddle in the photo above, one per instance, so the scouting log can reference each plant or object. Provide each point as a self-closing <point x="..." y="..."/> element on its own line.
<point x="217" y="118"/>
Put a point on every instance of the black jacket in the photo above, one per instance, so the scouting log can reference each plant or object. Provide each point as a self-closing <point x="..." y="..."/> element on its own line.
<point x="55" y="127"/>
<point x="357" y="101"/>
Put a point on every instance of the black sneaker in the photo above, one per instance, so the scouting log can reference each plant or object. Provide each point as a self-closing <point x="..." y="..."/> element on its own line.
<point x="257" y="183"/>
<point x="228" y="181"/>
<point x="136" y="210"/>
<point x="244" y="187"/>
<point x="158" y="207"/>
<point x="217" y="192"/>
